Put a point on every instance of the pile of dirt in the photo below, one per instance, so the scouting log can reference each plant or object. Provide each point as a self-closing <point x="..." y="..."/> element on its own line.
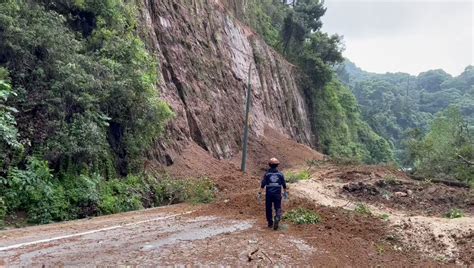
<point x="341" y="235"/>
<point x="274" y="144"/>
<point x="465" y="244"/>
<point x="416" y="197"/>
<point x="195" y="162"/>
<point x="436" y="237"/>
<point x="350" y="173"/>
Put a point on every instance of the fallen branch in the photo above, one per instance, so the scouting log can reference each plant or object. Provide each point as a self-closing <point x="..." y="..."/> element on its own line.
<point x="465" y="160"/>
<point x="265" y="254"/>
<point x="251" y="253"/>
<point x="445" y="182"/>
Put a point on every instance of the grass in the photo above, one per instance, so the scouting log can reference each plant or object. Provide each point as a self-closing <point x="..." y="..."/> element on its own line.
<point x="455" y="213"/>
<point x="292" y="177"/>
<point x="302" y="216"/>
<point x="380" y="249"/>
<point x="391" y="179"/>
<point x="363" y="209"/>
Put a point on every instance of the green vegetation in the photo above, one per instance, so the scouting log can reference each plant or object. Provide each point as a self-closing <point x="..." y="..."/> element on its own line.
<point x="78" y="108"/>
<point x="295" y="30"/>
<point x="363" y="209"/>
<point x="342" y="132"/>
<point x="46" y="198"/>
<point x="429" y="118"/>
<point x="302" y="216"/>
<point x="85" y="84"/>
<point x="380" y="249"/>
<point x="193" y="191"/>
<point x="385" y="217"/>
<point x="455" y="213"/>
<point x="3" y="212"/>
<point x="446" y="151"/>
<point x="292" y="177"/>
<point x="391" y="179"/>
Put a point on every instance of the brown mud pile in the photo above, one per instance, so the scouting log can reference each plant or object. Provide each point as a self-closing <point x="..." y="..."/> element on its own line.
<point x="412" y="196"/>
<point x="436" y="236"/>
<point x="195" y="162"/>
<point x="346" y="237"/>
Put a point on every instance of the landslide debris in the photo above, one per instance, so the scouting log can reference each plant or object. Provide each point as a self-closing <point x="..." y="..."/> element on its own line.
<point x="415" y="197"/>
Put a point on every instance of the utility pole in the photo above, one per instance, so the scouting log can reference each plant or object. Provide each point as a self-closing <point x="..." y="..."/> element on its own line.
<point x="246" y="127"/>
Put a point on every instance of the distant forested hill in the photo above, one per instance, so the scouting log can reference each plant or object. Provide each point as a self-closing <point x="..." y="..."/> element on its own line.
<point x="395" y="103"/>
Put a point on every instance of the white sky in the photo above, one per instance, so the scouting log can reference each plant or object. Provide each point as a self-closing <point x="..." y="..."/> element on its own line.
<point x="404" y="36"/>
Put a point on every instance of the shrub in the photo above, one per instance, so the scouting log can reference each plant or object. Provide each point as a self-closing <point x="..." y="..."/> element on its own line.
<point x="293" y="177"/>
<point x="455" y="213"/>
<point x="363" y="209"/>
<point x="35" y="191"/>
<point x="120" y="196"/>
<point x="302" y="216"/>
<point x="200" y="191"/>
<point x="45" y="198"/>
<point x="83" y="194"/>
<point x="176" y="191"/>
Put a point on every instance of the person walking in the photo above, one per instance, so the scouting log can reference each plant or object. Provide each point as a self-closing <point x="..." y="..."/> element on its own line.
<point x="273" y="181"/>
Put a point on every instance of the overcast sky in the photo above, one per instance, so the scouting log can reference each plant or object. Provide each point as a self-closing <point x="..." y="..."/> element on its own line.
<point x="407" y="35"/>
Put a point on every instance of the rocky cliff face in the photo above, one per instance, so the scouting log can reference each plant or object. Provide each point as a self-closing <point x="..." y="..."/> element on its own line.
<point x="205" y="54"/>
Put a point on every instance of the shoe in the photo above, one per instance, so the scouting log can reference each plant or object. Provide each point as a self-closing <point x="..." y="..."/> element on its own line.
<point x="275" y="223"/>
<point x="270" y="225"/>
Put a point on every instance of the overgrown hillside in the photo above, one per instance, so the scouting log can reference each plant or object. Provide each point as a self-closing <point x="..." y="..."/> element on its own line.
<point x="79" y="107"/>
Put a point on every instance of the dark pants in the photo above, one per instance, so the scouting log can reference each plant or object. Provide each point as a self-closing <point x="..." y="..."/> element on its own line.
<point x="276" y="201"/>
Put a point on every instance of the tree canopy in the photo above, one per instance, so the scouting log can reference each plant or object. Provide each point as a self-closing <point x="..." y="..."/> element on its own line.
<point x="405" y="108"/>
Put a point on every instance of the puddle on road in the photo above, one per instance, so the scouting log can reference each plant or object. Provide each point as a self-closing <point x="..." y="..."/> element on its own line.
<point x="199" y="232"/>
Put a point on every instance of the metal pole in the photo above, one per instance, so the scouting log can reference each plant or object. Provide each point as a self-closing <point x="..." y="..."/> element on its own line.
<point x="246" y="127"/>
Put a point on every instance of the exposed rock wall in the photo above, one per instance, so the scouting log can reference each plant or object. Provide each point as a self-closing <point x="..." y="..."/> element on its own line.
<point x="205" y="54"/>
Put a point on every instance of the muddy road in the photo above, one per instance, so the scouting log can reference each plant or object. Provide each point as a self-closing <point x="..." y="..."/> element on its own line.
<point x="232" y="231"/>
<point x="174" y="235"/>
<point x="399" y="232"/>
<point x="168" y="235"/>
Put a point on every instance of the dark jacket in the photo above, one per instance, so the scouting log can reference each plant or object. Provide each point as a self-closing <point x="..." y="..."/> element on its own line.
<point x="273" y="180"/>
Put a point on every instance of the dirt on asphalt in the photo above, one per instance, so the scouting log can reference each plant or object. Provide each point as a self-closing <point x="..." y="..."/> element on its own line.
<point x="232" y="230"/>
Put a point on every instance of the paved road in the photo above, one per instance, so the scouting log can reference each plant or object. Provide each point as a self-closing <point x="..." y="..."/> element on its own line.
<point x="164" y="236"/>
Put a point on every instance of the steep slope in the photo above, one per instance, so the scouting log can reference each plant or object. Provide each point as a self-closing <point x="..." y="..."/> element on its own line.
<point x="204" y="55"/>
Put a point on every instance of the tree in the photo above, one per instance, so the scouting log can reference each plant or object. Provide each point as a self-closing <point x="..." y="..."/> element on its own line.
<point x="447" y="149"/>
<point x="9" y="140"/>
<point x="394" y="104"/>
<point x="87" y="99"/>
<point x="432" y="80"/>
